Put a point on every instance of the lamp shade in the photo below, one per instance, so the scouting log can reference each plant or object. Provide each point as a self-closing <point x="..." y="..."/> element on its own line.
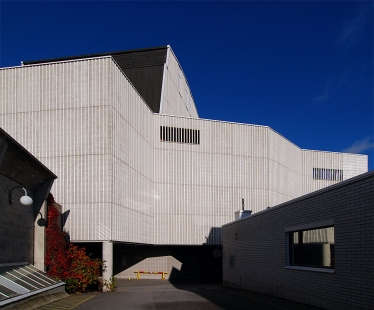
<point x="26" y="200"/>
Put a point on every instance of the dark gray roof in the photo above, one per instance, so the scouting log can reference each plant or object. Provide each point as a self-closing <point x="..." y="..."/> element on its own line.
<point x="140" y="50"/>
<point x="17" y="164"/>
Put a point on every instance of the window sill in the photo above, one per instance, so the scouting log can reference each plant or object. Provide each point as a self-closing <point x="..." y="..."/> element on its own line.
<point x="323" y="270"/>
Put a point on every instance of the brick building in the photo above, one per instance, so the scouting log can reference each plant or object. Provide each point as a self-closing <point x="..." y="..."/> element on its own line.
<point x="315" y="249"/>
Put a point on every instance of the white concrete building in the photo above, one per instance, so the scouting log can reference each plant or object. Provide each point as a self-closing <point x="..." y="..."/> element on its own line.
<point x="136" y="164"/>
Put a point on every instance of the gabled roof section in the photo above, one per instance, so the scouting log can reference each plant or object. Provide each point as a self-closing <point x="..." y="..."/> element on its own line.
<point x="143" y="67"/>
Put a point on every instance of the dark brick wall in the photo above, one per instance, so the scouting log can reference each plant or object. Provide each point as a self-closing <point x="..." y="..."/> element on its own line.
<point x="261" y="254"/>
<point x="16" y="225"/>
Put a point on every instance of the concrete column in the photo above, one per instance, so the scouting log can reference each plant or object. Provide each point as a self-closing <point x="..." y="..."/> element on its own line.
<point x="40" y="237"/>
<point x="108" y="260"/>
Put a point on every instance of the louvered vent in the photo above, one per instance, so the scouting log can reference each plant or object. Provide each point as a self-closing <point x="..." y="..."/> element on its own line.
<point x="327" y="174"/>
<point x="180" y="135"/>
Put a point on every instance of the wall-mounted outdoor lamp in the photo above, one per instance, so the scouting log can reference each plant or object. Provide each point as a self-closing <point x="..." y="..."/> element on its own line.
<point x="42" y="222"/>
<point x="25" y="200"/>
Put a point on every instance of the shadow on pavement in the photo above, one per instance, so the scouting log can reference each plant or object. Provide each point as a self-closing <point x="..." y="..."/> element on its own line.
<point x="184" y="293"/>
<point x="211" y="289"/>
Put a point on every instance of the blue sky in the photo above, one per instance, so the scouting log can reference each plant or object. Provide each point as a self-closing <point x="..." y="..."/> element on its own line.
<point x="304" y="68"/>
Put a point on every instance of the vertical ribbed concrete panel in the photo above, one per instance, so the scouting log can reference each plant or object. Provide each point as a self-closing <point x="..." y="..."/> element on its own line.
<point x="285" y="166"/>
<point x="314" y="159"/>
<point x="350" y="164"/>
<point x="199" y="187"/>
<point x="86" y="122"/>
<point x="60" y="113"/>
<point x="176" y="98"/>
<point x="354" y="164"/>
<point x="132" y="141"/>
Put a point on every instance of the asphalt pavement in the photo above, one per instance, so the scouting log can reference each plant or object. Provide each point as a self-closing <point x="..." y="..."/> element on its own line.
<point x="181" y="294"/>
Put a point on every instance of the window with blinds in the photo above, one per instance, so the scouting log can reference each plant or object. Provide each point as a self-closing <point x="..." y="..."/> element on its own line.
<point x="181" y="135"/>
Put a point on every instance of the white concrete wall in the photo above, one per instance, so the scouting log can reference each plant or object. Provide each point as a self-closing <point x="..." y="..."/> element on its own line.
<point x="60" y="113"/>
<point x="351" y="164"/>
<point x="84" y="120"/>
<point x="201" y="186"/>
<point x="176" y="96"/>
<point x="133" y="160"/>
<point x="285" y="166"/>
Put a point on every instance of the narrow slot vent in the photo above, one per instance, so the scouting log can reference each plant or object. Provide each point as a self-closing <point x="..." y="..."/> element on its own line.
<point x="180" y="135"/>
<point x="327" y="174"/>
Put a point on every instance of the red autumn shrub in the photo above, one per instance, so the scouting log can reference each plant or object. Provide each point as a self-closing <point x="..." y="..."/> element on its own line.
<point x="57" y="259"/>
<point x="66" y="261"/>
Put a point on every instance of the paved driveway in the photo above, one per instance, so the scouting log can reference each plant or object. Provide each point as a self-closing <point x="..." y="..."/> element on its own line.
<point x="187" y="293"/>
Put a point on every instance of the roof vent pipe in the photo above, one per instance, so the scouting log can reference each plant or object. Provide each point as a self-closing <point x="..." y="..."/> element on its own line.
<point x="242" y="213"/>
